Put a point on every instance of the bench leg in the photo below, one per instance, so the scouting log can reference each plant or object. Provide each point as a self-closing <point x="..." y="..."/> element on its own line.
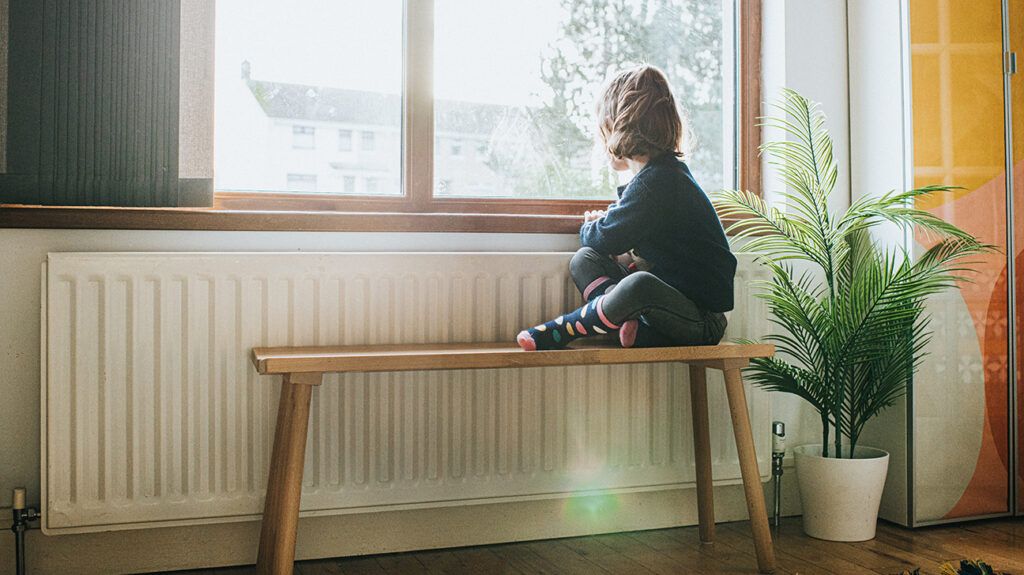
<point x="702" y="452"/>
<point x="748" y="468"/>
<point x="284" y="485"/>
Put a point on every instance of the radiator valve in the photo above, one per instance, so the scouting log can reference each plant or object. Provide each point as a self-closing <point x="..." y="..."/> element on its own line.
<point x="778" y="454"/>
<point x="22" y="517"/>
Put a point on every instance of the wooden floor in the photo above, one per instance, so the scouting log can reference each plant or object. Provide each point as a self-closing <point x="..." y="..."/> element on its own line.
<point x="670" y="551"/>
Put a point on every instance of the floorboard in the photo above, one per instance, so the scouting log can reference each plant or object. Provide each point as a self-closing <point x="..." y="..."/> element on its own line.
<point x="999" y="542"/>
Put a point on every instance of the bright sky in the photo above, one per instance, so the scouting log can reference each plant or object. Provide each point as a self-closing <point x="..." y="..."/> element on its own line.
<point x="481" y="54"/>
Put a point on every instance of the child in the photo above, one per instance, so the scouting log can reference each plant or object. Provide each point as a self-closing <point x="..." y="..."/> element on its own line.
<point x="656" y="267"/>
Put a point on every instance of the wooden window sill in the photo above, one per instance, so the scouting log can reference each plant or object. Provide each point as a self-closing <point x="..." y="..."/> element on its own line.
<point x="210" y="219"/>
<point x="117" y="218"/>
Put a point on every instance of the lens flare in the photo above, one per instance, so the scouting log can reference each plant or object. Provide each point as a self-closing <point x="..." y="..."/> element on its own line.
<point x="590" y="500"/>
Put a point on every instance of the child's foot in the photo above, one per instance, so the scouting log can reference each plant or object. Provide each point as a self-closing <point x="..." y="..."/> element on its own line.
<point x="638" y="333"/>
<point x="554" y="334"/>
<point x="627" y="333"/>
<point x="525" y="341"/>
<point x="557" y="333"/>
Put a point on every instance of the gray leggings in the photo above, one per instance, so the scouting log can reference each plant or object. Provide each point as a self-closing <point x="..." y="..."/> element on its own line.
<point x="667" y="316"/>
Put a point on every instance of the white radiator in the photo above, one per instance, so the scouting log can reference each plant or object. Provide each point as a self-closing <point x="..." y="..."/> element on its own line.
<point x="153" y="414"/>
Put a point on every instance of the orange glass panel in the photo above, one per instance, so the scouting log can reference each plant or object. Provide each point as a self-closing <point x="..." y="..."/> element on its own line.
<point x="927" y="113"/>
<point x="960" y="396"/>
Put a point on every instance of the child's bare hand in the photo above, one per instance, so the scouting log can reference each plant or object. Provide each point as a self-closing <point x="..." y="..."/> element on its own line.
<point x="594" y="215"/>
<point x="624" y="259"/>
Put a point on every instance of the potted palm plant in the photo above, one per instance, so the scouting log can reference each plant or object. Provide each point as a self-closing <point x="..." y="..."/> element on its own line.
<point x="850" y="311"/>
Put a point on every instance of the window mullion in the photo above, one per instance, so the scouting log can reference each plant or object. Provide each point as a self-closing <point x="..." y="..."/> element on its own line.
<point x="418" y="103"/>
<point x="749" y="94"/>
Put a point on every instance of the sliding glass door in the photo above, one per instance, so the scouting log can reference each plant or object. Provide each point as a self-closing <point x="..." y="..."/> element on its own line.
<point x="960" y="409"/>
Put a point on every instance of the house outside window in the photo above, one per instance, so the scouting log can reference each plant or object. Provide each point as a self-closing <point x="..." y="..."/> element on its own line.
<point x="456" y="148"/>
<point x="303" y="137"/>
<point x="371" y="185"/>
<point x="348" y="184"/>
<point x="303" y="183"/>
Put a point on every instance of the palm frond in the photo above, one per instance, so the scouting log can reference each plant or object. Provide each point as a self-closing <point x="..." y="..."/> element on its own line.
<point x="896" y="207"/>
<point x="805" y="162"/>
<point x="851" y="331"/>
<point x="769" y="232"/>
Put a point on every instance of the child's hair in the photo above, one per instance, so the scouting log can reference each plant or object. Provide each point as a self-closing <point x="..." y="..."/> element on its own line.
<point x="637" y="115"/>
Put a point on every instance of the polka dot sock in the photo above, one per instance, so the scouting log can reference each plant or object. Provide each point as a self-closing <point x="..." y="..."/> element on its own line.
<point x="559" y="332"/>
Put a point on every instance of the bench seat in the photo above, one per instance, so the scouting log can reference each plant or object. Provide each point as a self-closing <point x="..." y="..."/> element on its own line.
<point x="422" y="357"/>
<point x="303" y="368"/>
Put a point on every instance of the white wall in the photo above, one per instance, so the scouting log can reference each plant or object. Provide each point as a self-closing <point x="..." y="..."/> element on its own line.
<point x="805" y="49"/>
<point x="880" y="140"/>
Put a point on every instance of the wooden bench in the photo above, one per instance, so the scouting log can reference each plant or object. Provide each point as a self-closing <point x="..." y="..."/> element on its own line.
<point x="304" y="367"/>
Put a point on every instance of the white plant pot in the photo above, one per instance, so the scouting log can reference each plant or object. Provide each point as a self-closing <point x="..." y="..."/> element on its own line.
<point x="840" y="497"/>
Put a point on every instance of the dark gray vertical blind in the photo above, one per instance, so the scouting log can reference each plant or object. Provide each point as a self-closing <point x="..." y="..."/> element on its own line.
<point x="93" y="105"/>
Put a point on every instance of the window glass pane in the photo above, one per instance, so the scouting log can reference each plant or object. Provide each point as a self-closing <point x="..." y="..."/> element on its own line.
<point x="525" y="104"/>
<point x="303" y="137"/>
<point x="344" y="140"/>
<point x="369" y="142"/>
<point x="290" y="73"/>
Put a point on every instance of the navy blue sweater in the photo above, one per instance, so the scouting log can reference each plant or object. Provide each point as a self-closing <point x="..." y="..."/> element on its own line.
<point x="666" y="218"/>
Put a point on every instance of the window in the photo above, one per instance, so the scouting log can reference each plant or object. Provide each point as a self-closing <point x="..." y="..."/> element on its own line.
<point x="369" y="142"/>
<point x="290" y="66"/>
<point x="344" y="140"/>
<point x="513" y="85"/>
<point x="301" y="182"/>
<point x="524" y="106"/>
<point x="303" y="137"/>
<point x="533" y="95"/>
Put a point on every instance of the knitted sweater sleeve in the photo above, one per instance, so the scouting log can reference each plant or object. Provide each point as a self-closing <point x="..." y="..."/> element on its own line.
<point x="626" y="223"/>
